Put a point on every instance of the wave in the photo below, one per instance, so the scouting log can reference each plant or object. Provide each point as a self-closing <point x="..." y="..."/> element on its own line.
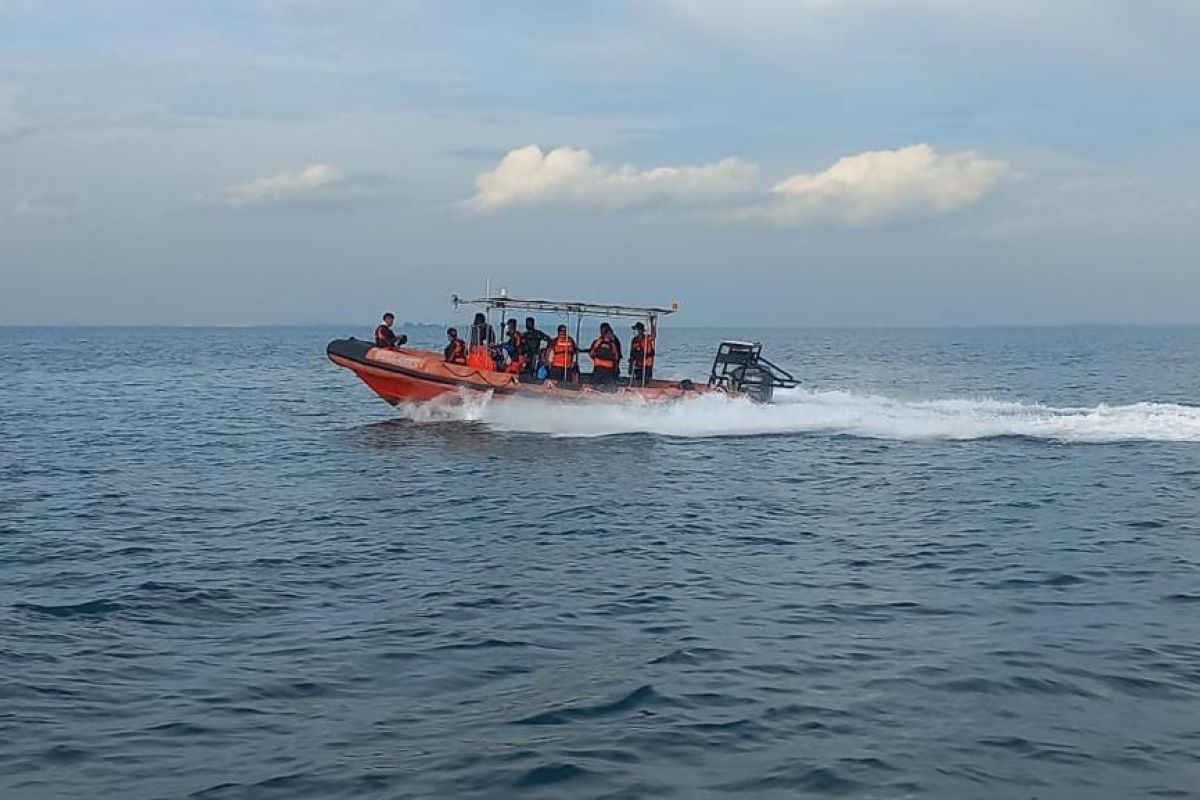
<point x="805" y="411"/>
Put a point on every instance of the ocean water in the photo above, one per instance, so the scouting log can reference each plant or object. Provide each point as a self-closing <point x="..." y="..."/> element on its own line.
<point x="953" y="564"/>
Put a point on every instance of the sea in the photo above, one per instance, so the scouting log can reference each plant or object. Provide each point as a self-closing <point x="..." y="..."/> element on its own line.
<point x="952" y="563"/>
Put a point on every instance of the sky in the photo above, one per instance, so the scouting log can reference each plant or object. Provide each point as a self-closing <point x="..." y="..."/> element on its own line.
<point x="775" y="162"/>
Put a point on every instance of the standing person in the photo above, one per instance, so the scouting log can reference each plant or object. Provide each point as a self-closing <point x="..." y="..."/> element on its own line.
<point x="562" y="351"/>
<point x="641" y="354"/>
<point x="385" y="336"/>
<point x="482" y="333"/>
<point x="482" y="337"/>
<point x="456" y="348"/>
<point x="532" y="341"/>
<point x="605" y="352"/>
<point x="512" y="335"/>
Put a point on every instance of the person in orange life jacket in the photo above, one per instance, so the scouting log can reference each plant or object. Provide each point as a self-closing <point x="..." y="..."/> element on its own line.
<point x="605" y="352"/>
<point x="560" y="354"/>
<point x="482" y="337"/>
<point x="456" y="349"/>
<point x="482" y="334"/>
<point x="641" y="354"/>
<point x="532" y="341"/>
<point x="384" y="336"/>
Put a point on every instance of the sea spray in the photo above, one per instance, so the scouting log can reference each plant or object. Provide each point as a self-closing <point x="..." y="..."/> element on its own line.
<point x="803" y="411"/>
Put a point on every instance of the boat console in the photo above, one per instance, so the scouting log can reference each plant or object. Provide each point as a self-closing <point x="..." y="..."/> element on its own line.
<point x="741" y="368"/>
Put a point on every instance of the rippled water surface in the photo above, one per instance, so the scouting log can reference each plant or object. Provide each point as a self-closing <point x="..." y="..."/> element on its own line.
<point x="954" y="564"/>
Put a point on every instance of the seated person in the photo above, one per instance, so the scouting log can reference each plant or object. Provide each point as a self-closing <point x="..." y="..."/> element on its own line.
<point x="456" y="349"/>
<point x="384" y="336"/>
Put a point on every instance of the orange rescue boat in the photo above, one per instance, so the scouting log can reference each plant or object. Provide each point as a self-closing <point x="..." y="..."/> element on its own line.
<point x="413" y="375"/>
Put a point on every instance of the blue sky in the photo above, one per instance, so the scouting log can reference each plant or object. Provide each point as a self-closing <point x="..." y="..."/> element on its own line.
<point x="775" y="161"/>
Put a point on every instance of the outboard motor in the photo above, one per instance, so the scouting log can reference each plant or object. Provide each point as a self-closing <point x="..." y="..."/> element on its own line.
<point x="740" y="368"/>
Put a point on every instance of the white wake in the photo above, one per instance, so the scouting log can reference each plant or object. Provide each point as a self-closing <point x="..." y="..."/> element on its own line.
<point x="833" y="412"/>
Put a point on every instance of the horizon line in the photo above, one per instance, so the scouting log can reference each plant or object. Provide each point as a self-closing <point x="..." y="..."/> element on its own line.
<point x="801" y="326"/>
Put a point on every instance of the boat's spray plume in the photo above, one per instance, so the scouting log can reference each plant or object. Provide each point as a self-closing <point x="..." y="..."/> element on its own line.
<point x="839" y="413"/>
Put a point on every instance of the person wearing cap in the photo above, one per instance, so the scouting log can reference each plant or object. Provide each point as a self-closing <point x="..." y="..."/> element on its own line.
<point x="456" y="349"/>
<point x="641" y="353"/>
<point x="605" y="352"/>
<point x="561" y="354"/>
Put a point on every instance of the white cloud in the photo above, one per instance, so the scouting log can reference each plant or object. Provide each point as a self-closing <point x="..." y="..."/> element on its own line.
<point x="319" y="183"/>
<point x="882" y="185"/>
<point x="282" y="187"/>
<point x="862" y="189"/>
<point x="528" y="175"/>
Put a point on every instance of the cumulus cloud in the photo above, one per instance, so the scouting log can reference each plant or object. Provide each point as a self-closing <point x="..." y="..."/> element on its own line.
<point x="528" y="175"/>
<point x="862" y="189"/>
<point x="882" y="185"/>
<point x="316" y="183"/>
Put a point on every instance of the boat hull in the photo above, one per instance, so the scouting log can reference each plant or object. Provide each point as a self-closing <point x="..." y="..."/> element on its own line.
<point x="411" y="375"/>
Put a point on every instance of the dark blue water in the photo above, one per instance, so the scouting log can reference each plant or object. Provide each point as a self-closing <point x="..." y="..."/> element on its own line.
<point x="956" y="564"/>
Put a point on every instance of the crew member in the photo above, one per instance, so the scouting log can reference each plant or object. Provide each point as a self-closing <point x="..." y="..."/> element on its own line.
<point x="513" y="350"/>
<point x="384" y="336"/>
<point x="561" y="354"/>
<point x="481" y="332"/>
<point x="483" y="336"/>
<point x="508" y="352"/>
<point x="532" y="341"/>
<point x="641" y="354"/>
<point x="605" y="352"/>
<point x="510" y="331"/>
<point x="456" y="348"/>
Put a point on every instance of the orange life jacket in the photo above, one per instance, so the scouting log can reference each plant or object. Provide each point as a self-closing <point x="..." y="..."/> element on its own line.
<point x="480" y="357"/>
<point x="562" y="352"/>
<point x="456" y="352"/>
<point x="641" y="350"/>
<point x="384" y="337"/>
<point x="603" y="352"/>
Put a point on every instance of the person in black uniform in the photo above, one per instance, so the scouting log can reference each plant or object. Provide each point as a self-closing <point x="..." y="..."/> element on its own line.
<point x="533" y="342"/>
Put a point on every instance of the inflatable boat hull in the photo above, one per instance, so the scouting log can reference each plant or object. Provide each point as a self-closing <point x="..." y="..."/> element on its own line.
<point x="410" y="375"/>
